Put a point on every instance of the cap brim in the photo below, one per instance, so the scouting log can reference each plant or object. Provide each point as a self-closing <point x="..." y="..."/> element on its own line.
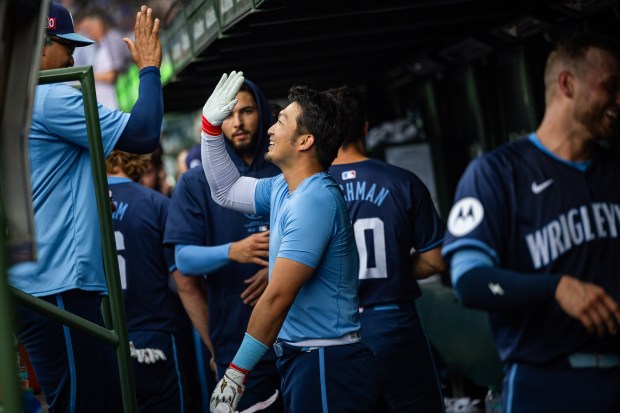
<point x="77" y="39"/>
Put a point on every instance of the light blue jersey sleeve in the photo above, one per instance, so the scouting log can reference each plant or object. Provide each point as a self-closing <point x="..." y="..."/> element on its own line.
<point x="467" y="259"/>
<point x="308" y="227"/>
<point x="63" y="115"/>
<point x="262" y="194"/>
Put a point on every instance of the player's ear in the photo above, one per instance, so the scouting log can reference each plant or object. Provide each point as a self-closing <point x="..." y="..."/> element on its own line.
<point x="566" y="83"/>
<point x="305" y="142"/>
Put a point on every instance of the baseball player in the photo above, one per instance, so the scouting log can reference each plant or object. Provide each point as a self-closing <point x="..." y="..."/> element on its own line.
<point x="392" y="213"/>
<point x="231" y="248"/>
<point x="533" y="239"/>
<point x="77" y="372"/>
<point x="310" y="304"/>
<point x="144" y="263"/>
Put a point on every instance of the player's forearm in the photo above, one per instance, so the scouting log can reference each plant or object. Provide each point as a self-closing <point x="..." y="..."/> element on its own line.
<point x="263" y="327"/>
<point x="267" y="318"/>
<point x="287" y="278"/>
<point x="428" y="263"/>
<point x="141" y="134"/>
<point x="228" y="188"/>
<point x="498" y="289"/>
<point x="193" y="298"/>
<point x="202" y="327"/>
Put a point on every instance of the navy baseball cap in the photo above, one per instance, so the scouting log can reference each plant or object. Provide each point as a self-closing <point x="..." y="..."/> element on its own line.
<point x="60" y="24"/>
<point x="193" y="157"/>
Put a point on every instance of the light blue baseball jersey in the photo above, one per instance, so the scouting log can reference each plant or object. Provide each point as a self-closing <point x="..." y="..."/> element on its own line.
<point x="65" y="212"/>
<point x="311" y="225"/>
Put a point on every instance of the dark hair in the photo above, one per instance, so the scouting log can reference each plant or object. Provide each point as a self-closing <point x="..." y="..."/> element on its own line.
<point x="354" y="105"/>
<point x="575" y="46"/>
<point x="275" y="109"/>
<point x="570" y="52"/>
<point x="322" y="116"/>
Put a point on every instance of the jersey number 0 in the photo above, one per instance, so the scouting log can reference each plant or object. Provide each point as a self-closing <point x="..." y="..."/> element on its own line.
<point x="370" y="240"/>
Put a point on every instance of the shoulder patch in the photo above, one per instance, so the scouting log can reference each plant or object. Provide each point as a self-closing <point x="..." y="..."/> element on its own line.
<point x="465" y="215"/>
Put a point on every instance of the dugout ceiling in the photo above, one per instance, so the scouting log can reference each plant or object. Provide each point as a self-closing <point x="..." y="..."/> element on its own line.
<point x="325" y="43"/>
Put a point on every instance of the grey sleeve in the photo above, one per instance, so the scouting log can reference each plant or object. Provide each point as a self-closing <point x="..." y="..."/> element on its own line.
<point x="228" y="188"/>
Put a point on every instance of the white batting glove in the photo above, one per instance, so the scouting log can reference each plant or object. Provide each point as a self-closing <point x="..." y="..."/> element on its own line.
<point x="229" y="390"/>
<point x="221" y="102"/>
<point x="223" y="408"/>
<point x="146" y="355"/>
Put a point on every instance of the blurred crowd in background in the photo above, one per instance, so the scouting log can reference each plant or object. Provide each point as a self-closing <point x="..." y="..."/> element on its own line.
<point x="107" y="22"/>
<point x="122" y="13"/>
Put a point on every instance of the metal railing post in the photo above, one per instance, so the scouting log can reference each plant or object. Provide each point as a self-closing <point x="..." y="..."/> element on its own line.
<point x="11" y="401"/>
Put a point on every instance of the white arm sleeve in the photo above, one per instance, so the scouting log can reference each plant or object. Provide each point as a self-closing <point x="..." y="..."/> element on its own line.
<point x="228" y="188"/>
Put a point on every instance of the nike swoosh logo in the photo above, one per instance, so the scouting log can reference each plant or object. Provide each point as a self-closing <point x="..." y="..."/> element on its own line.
<point x="538" y="188"/>
<point x="496" y="289"/>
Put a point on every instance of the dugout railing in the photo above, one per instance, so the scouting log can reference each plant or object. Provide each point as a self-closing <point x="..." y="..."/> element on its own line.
<point x="115" y="333"/>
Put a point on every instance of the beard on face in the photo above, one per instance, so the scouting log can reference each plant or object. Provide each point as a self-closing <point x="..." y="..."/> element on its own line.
<point x="245" y="147"/>
<point x="595" y="121"/>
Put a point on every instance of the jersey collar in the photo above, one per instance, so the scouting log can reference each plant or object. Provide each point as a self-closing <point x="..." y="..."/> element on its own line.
<point x="580" y="166"/>
<point x="117" y="180"/>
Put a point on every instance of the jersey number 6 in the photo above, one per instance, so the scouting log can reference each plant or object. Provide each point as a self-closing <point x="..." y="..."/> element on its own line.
<point x="122" y="267"/>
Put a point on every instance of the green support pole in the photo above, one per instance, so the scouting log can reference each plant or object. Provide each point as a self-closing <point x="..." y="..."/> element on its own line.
<point x="110" y="259"/>
<point x="12" y="401"/>
<point x="437" y="142"/>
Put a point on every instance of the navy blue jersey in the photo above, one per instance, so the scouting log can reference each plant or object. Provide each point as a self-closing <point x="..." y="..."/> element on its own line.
<point x="195" y="219"/>
<point x="534" y="213"/>
<point x="143" y="261"/>
<point x="392" y="213"/>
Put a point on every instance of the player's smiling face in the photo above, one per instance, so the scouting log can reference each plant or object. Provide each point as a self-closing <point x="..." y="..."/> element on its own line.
<point x="241" y="127"/>
<point x="281" y="135"/>
<point x="597" y="99"/>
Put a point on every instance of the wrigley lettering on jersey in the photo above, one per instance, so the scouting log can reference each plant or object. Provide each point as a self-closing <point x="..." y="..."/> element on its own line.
<point x="577" y="226"/>
<point x="356" y="191"/>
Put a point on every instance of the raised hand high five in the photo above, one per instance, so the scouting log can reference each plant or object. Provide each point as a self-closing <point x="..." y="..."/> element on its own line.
<point x="221" y="102"/>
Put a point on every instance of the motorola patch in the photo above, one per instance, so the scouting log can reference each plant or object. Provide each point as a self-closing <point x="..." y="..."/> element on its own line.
<point x="465" y="215"/>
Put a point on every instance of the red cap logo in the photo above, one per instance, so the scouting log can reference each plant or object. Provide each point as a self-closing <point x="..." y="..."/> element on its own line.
<point x="51" y="23"/>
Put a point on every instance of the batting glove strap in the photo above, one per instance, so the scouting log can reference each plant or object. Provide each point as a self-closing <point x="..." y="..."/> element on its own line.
<point x="237" y="374"/>
<point x="209" y="129"/>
